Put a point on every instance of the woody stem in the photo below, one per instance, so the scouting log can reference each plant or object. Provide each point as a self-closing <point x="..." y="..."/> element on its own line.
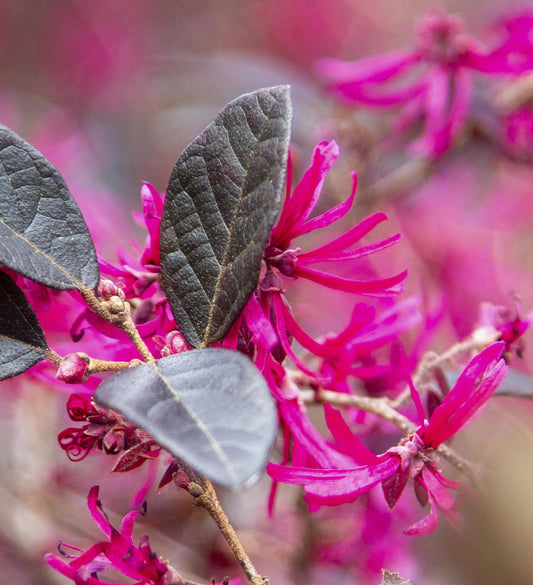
<point x="205" y="496"/>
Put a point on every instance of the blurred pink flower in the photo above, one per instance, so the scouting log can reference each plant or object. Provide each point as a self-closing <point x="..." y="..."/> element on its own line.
<point x="511" y="324"/>
<point x="434" y="81"/>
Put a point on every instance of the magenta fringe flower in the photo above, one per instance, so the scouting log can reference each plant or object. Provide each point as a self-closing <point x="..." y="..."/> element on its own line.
<point x="414" y="458"/>
<point x="283" y="260"/>
<point x="118" y="552"/>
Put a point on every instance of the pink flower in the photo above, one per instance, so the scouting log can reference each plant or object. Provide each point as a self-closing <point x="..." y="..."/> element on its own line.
<point x="511" y="325"/>
<point x="106" y="431"/>
<point x="476" y="384"/>
<point x="432" y="82"/>
<point x="514" y="54"/>
<point x="348" y="353"/>
<point x="414" y="458"/>
<point x="118" y="552"/>
<point x="282" y="260"/>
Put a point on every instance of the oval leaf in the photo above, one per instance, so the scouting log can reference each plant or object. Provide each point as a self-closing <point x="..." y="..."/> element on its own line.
<point x="222" y="201"/>
<point x="210" y="407"/>
<point x="22" y="342"/>
<point x="43" y="235"/>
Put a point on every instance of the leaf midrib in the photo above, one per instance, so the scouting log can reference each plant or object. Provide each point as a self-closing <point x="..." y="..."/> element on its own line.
<point x="210" y="438"/>
<point x="79" y="285"/>
<point x="227" y="249"/>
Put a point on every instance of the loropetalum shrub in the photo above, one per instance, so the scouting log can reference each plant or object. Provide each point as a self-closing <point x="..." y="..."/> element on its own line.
<point x="191" y="349"/>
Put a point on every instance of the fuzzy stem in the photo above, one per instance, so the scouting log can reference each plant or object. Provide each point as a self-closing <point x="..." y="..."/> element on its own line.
<point x="54" y="357"/>
<point x="205" y="496"/>
<point x="121" y="319"/>
<point x="96" y="365"/>
<point x="380" y="406"/>
<point x="400" y="180"/>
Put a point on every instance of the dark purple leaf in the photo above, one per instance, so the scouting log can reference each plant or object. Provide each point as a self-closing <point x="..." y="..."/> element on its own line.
<point x="222" y="200"/>
<point x="43" y="235"/>
<point x="210" y="407"/>
<point x="22" y="342"/>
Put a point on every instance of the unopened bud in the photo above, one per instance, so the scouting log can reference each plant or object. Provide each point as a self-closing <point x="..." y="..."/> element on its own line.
<point x="74" y="368"/>
<point x="116" y="304"/>
<point x="108" y="289"/>
<point x="287" y="262"/>
<point x="176" y="343"/>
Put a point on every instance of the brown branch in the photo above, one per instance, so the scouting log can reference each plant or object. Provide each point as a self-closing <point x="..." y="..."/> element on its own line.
<point x="54" y="357"/>
<point x="400" y="180"/>
<point x="205" y="496"/>
<point x="379" y="406"/>
<point x="96" y="365"/>
<point x="118" y="313"/>
<point x="384" y="408"/>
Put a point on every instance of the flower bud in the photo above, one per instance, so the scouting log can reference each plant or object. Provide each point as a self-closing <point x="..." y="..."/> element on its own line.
<point x="116" y="304"/>
<point x="176" y="343"/>
<point x="73" y="368"/>
<point x="287" y="261"/>
<point x="108" y="289"/>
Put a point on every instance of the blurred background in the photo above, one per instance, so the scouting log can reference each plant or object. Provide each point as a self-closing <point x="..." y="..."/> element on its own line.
<point x="111" y="92"/>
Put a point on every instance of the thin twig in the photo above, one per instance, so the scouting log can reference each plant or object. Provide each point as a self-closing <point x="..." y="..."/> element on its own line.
<point x="205" y="496"/>
<point x="120" y="316"/>
<point x="400" y="180"/>
<point x="54" y="357"/>
<point x="385" y="409"/>
<point x="96" y="366"/>
<point x="379" y="406"/>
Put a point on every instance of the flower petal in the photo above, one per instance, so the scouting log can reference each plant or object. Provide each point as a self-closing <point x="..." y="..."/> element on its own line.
<point x="467" y="396"/>
<point x="378" y="287"/>
<point x="370" y="70"/>
<point x="330" y="216"/>
<point x="348" y="238"/>
<point x="346" y="439"/>
<point x="300" y="205"/>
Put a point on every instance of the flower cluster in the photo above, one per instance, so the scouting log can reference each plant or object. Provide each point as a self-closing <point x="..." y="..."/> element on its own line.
<point x="414" y="457"/>
<point x="118" y="551"/>
<point x="105" y="431"/>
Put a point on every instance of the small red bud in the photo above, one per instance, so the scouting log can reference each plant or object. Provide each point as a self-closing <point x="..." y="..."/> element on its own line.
<point x="73" y="368"/>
